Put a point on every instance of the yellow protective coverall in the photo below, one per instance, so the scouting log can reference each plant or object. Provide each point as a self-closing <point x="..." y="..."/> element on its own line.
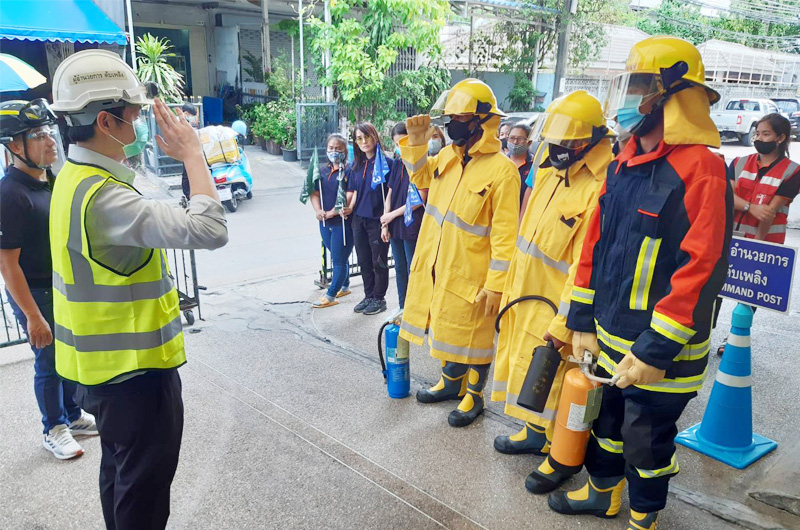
<point x="465" y="244"/>
<point x="548" y="249"/>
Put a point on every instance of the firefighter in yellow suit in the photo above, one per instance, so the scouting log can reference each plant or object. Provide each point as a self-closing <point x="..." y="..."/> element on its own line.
<point x="465" y="243"/>
<point x="549" y="243"/>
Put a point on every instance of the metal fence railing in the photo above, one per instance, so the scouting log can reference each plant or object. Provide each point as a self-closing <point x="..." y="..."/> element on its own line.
<point x="315" y="121"/>
<point x="326" y="267"/>
<point x="155" y="159"/>
<point x="12" y="332"/>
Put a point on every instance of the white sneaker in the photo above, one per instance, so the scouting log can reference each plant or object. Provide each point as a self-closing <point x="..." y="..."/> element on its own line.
<point x="60" y="442"/>
<point x="84" y="426"/>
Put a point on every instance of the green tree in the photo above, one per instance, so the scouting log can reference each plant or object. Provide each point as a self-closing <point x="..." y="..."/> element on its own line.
<point x="364" y="40"/>
<point x="152" y="54"/>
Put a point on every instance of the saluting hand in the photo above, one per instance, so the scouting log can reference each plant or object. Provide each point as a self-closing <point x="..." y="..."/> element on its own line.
<point x="178" y="139"/>
<point x="419" y="129"/>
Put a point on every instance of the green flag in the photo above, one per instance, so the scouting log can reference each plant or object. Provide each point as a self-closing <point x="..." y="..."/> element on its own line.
<point x="312" y="177"/>
<point x="341" y="194"/>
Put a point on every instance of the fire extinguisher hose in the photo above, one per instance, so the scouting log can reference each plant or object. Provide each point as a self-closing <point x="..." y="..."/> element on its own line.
<point x="523" y="299"/>
<point x="380" y="349"/>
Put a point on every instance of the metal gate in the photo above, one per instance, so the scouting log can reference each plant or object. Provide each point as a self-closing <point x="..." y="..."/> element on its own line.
<point x="315" y="121"/>
<point x="12" y="333"/>
<point x="326" y="267"/>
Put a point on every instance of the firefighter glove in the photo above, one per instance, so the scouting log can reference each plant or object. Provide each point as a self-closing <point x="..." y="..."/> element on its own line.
<point x="492" y="299"/>
<point x="582" y="341"/>
<point x="632" y="371"/>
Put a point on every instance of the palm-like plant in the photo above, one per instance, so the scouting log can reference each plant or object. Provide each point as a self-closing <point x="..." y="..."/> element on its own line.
<point x="152" y="54"/>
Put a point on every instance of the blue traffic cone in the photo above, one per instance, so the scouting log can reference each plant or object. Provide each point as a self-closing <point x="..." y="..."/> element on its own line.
<point x="726" y="432"/>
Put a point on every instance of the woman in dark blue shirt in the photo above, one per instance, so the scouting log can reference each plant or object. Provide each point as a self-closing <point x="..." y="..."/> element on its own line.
<point x="335" y="227"/>
<point x="402" y="237"/>
<point x="372" y="252"/>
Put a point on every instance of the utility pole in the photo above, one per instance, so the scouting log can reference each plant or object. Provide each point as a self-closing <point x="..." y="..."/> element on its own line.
<point x="302" y="60"/>
<point x="326" y="59"/>
<point x="132" y="43"/>
<point x="569" y="8"/>
<point x="265" y="49"/>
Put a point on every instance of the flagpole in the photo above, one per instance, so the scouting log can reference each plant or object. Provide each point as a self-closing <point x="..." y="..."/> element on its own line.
<point x="321" y="199"/>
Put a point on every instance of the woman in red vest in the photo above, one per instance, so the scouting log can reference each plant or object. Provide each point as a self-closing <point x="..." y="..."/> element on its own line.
<point x="764" y="184"/>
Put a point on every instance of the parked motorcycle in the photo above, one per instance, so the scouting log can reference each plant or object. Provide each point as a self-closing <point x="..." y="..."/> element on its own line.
<point x="228" y="163"/>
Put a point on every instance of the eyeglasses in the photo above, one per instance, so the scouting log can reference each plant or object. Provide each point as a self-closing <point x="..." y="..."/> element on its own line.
<point x="519" y="140"/>
<point x="362" y="139"/>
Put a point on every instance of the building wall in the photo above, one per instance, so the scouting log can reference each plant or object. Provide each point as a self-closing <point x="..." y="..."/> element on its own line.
<point x="200" y="24"/>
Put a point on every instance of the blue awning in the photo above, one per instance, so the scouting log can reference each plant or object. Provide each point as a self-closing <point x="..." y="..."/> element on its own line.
<point x="58" y="20"/>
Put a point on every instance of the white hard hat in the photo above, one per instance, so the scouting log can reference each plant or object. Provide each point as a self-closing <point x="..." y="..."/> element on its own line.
<point x="93" y="80"/>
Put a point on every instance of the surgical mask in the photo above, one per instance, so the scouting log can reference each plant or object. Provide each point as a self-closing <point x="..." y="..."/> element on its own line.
<point x="142" y="135"/>
<point x="516" y="150"/>
<point x="561" y="157"/>
<point x="336" y="157"/>
<point x="434" y="146"/>
<point x="628" y="116"/>
<point x="765" y="148"/>
<point x="459" y="132"/>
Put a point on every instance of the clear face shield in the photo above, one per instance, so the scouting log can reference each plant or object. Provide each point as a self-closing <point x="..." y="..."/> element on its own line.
<point x="44" y="147"/>
<point x="630" y="91"/>
<point x="451" y="103"/>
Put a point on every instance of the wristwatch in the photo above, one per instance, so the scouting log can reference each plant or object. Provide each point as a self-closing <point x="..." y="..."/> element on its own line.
<point x="746" y="208"/>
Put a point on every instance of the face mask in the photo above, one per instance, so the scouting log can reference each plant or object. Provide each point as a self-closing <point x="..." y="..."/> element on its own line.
<point x="631" y="120"/>
<point x="459" y="131"/>
<point x="765" y="148"/>
<point x="142" y="135"/>
<point x="336" y="157"/>
<point x="516" y="150"/>
<point x="561" y="157"/>
<point x="504" y="143"/>
<point x="434" y="146"/>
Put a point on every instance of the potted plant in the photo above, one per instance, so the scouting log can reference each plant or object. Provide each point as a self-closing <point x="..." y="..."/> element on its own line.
<point x="153" y="67"/>
<point x="289" y="140"/>
<point x="272" y="120"/>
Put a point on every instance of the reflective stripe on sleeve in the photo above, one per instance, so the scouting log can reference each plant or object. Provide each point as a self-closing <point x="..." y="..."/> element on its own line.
<point x="499" y="264"/>
<point x="563" y="308"/>
<point x="413" y="167"/>
<point x="582" y="295"/>
<point x="671" y="328"/>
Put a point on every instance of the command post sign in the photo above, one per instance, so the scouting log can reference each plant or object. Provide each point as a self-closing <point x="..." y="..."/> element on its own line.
<point x="760" y="273"/>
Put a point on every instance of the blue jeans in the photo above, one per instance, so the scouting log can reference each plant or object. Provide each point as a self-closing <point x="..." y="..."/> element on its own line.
<point x="403" y="252"/>
<point x="340" y="255"/>
<point x="55" y="396"/>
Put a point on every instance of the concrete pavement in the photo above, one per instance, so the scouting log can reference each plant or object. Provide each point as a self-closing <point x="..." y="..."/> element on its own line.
<point x="288" y="424"/>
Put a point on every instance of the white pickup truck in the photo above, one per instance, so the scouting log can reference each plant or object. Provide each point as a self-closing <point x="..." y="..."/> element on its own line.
<point x="738" y="119"/>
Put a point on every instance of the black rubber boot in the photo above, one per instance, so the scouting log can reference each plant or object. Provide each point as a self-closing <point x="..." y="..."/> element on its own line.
<point x="530" y="440"/>
<point x="472" y="405"/>
<point x="549" y="476"/>
<point x="600" y="497"/>
<point x="452" y="384"/>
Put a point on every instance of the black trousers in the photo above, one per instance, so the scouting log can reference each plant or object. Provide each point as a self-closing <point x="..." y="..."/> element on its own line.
<point x="634" y="436"/>
<point x="141" y="424"/>
<point x="373" y="256"/>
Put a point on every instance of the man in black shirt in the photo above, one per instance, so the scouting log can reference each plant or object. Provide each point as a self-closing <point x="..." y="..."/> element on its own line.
<point x="28" y="132"/>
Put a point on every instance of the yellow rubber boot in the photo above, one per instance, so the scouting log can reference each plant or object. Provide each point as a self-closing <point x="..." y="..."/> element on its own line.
<point x="643" y="521"/>
<point x="452" y="384"/>
<point x="472" y="405"/>
<point x="600" y="497"/>
<point x="530" y="440"/>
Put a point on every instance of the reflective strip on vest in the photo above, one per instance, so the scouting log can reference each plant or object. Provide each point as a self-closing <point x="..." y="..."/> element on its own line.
<point x="689" y="352"/>
<point x="452" y="218"/>
<point x="607" y="444"/>
<point x="530" y="248"/>
<point x="120" y="341"/>
<point x="773" y="229"/>
<point x="671" y="469"/>
<point x="643" y="278"/>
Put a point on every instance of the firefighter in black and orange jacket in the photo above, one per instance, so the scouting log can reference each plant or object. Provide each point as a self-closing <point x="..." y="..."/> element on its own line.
<point x="653" y="262"/>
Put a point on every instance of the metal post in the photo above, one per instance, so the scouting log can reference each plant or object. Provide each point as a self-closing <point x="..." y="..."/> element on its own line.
<point x="132" y="45"/>
<point x="266" y="53"/>
<point x="326" y="59"/>
<point x="302" y="62"/>
<point x="562" y="53"/>
<point x="535" y="76"/>
<point x="471" y="30"/>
